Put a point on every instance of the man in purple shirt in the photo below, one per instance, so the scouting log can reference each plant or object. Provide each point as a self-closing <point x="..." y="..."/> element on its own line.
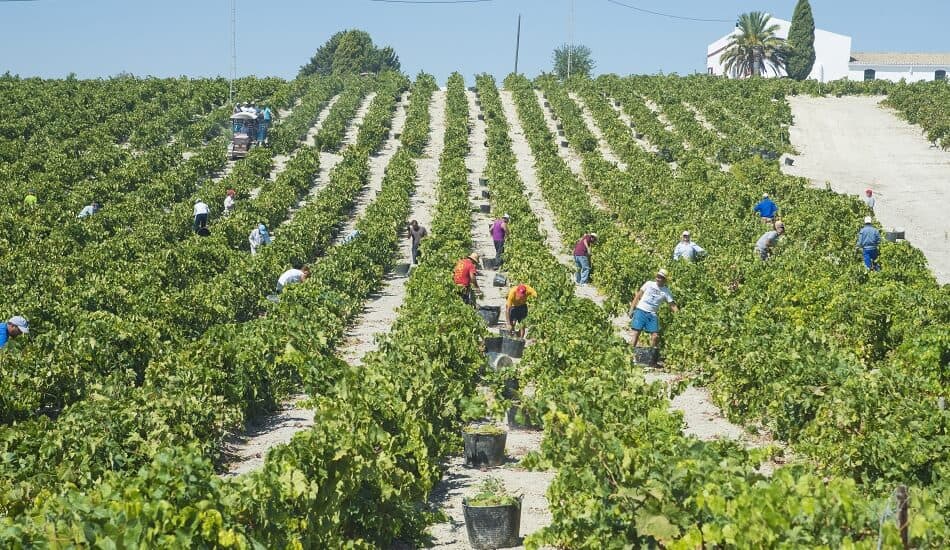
<point x="499" y="232"/>
<point x="582" y="257"/>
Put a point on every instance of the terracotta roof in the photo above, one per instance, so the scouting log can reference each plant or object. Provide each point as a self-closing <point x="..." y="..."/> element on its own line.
<point x="900" y="58"/>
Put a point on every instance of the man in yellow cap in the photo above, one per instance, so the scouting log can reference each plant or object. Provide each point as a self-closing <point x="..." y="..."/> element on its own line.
<point x="644" y="307"/>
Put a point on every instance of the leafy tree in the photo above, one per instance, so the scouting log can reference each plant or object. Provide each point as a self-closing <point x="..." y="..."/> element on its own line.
<point x="755" y="49"/>
<point x="801" y="42"/>
<point x="348" y="52"/>
<point x="577" y="56"/>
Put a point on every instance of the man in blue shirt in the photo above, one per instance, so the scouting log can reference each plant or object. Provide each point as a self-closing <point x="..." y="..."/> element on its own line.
<point x="869" y="239"/>
<point x="766" y="208"/>
<point x="14" y="327"/>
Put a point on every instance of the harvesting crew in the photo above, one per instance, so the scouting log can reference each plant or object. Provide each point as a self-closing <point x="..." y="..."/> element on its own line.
<point x="687" y="249"/>
<point x="416" y="234"/>
<point x="464" y="276"/>
<point x="516" y="306"/>
<point x="582" y="257"/>
<point x="766" y="208"/>
<point x="16" y="326"/>
<point x="765" y="244"/>
<point x="869" y="239"/>
<point x="645" y="305"/>
<point x="499" y="233"/>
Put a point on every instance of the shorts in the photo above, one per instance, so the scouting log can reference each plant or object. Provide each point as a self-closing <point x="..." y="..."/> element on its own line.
<point x="645" y="321"/>
<point x="518" y="313"/>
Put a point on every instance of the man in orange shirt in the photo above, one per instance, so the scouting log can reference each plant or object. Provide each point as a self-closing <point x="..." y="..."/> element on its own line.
<point x="516" y="307"/>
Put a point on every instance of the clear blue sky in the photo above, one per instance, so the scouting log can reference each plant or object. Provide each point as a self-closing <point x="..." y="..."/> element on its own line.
<point x="93" y="38"/>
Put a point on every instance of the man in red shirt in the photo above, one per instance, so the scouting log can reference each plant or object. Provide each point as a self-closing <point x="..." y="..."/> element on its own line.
<point x="464" y="277"/>
<point x="582" y="257"/>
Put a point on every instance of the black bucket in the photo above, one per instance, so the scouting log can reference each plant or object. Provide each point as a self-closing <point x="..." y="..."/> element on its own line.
<point x="525" y="422"/>
<point x="492" y="527"/>
<point x="490" y="263"/>
<point x="484" y="208"/>
<point x="559" y="126"/>
<point x="484" y="449"/>
<point x="499" y="280"/>
<point x="490" y="314"/>
<point x="564" y="144"/>
<point x="486" y="194"/>
<point x="645" y="356"/>
<point x="511" y="387"/>
<point x="512" y="347"/>
<point x="481" y="116"/>
<point x="493" y="345"/>
<point x="483" y="182"/>
<point x="894" y="235"/>
<point x="789" y="161"/>
<point x="397" y="135"/>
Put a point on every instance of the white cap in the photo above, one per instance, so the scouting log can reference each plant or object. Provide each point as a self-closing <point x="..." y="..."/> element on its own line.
<point x="661" y="273"/>
<point x="594" y="235"/>
<point x="685" y="234"/>
<point x="21" y="323"/>
<point x="765" y="195"/>
<point x="867" y="219"/>
<point x="506" y="216"/>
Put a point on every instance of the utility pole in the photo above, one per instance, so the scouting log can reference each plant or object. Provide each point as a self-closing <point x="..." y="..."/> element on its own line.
<point x="233" y="52"/>
<point x="518" y="43"/>
<point x="570" y="47"/>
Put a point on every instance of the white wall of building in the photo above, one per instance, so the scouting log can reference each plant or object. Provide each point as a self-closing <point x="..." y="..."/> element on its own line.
<point x="895" y="72"/>
<point x="832" y="53"/>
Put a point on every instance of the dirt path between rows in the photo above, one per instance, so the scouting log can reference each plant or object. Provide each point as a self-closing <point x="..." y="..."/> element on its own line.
<point x="459" y="481"/>
<point x="380" y="312"/>
<point x="853" y="143"/>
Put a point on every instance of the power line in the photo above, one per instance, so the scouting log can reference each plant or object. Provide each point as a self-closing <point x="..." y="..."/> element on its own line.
<point x="671" y="16"/>
<point x="431" y="1"/>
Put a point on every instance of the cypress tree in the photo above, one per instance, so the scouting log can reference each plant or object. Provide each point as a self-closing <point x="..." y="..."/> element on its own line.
<point x="801" y="42"/>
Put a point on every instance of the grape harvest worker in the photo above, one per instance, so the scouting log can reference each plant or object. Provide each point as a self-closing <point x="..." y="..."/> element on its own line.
<point x="765" y="208"/>
<point x="464" y="276"/>
<point x="499" y="233"/>
<point x="582" y="257"/>
<point x="201" y="215"/>
<point x="516" y="306"/>
<point x="645" y="305"/>
<point x="89" y="210"/>
<point x="292" y="276"/>
<point x="259" y="236"/>
<point x="767" y="241"/>
<point x="687" y="250"/>
<point x="229" y="201"/>
<point x="16" y="326"/>
<point x="266" y="117"/>
<point x="416" y="234"/>
<point x="869" y="239"/>
<point x="869" y="200"/>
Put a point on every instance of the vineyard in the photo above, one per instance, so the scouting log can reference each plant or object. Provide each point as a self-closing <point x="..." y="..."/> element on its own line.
<point x="152" y="350"/>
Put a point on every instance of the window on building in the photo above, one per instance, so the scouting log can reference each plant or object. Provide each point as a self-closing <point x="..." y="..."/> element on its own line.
<point x="940" y="75"/>
<point x="868" y="74"/>
<point x="709" y="70"/>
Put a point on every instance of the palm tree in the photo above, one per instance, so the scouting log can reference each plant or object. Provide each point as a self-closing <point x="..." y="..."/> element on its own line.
<point x="755" y="49"/>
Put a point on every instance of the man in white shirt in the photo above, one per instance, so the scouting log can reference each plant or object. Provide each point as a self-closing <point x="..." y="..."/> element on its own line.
<point x="644" y="307"/>
<point x="687" y="250"/>
<point x="292" y="276"/>
<point x="229" y="201"/>
<point x="258" y="237"/>
<point x="201" y="215"/>
<point x="88" y="210"/>
<point x="869" y="199"/>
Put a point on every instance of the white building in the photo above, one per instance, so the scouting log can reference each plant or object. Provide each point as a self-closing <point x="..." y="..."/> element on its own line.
<point x="912" y="67"/>
<point x="832" y="52"/>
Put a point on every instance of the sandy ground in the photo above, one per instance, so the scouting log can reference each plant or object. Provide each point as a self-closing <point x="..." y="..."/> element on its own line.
<point x="250" y="448"/>
<point x="853" y="144"/>
<point x="380" y="312"/>
<point x="702" y="120"/>
<point x="628" y="122"/>
<point x="605" y="151"/>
